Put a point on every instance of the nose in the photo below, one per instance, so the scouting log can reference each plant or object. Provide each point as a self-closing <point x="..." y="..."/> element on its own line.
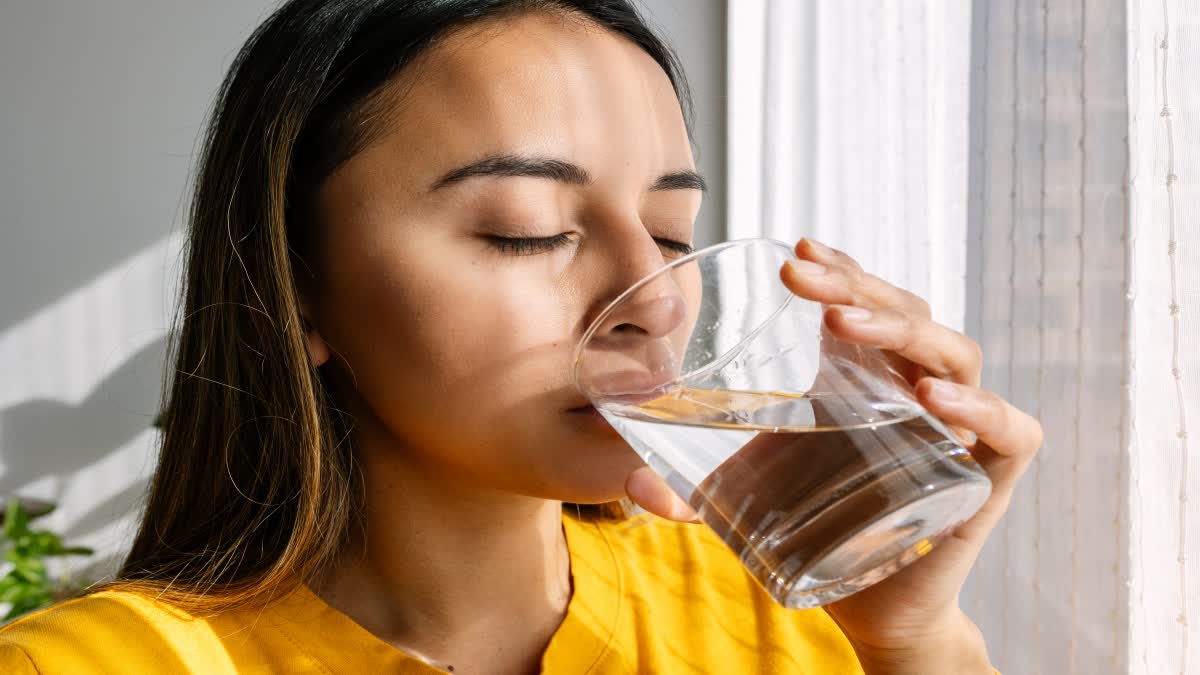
<point x="649" y="308"/>
<point x="636" y="345"/>
<point x="653" y="310"/>
<point x="639" y="342"/>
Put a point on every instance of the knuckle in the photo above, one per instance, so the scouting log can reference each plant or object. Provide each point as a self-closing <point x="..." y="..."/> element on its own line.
<point x="853" y="277"/>
<point x="919" y="305"/>
<point x="924" y="307"/>
<point x="907" y="330"/>
<point x="858" y="298"/>
<point x="847" y="261"/>
<point x="900" y="298"/>
<point x="870" y="281"/>
<point x="997" y="409"/>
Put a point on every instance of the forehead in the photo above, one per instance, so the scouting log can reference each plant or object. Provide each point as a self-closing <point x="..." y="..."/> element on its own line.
<point x="537" y="83"/>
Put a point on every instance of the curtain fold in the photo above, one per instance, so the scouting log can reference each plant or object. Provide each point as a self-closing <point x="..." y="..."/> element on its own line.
<point x="1060" y="227"/>
<point x="848" y="122"/>
<point x="1163" y="302"/>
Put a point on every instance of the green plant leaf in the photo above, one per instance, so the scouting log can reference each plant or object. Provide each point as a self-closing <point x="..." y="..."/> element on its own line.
<point x="28" y="585"/>
<point x="13" y="592"/>
<point x="40" y="511"/>
<point x="21" y="594"/>
<point x="47" y="543"/>
<point x="15" y="520"/>
<point x="77" y="550"/>
<point x="28" y="604"/>
<point x="31" y="569"/>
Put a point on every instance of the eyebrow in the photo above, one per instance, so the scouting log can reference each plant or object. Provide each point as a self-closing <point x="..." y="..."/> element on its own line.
<point x="508" y="165"/>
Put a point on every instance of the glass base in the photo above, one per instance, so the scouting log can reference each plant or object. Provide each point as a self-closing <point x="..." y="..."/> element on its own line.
<point x="874" y="552"/>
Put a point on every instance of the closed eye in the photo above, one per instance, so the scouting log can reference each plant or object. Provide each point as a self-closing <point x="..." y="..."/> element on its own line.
<point x="534" y="245"/>
<point x="675" y="246"/>
<point x="527" y="245"/>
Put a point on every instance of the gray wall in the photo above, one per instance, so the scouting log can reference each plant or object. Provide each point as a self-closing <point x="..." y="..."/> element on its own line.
<point x="102" y="104"/>
<point x="696" y="29"/>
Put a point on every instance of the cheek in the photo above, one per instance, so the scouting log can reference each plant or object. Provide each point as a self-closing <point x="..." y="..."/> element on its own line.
<point x="438" y="336"/>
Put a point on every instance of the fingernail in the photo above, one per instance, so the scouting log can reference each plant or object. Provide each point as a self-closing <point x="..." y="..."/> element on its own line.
<point x="807" y="268"/>
<point x="817" y="246"/>
<point x="850" y="313"/>
<point x="945" y="391"/>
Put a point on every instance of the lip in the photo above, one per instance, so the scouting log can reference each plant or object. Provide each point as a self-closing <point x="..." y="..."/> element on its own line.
<point x="634" y="391"/>
<point x="630" y="382"/>
<point x="587" y="417"/>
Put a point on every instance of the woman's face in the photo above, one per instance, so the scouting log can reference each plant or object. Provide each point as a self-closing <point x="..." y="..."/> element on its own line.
<point x="525" y="174"/>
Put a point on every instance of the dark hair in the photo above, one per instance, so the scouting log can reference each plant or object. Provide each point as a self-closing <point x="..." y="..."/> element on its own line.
<point x="255" y="484"/>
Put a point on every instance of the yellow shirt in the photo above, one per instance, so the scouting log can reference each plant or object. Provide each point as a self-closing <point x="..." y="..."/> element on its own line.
<point x="657" y="597"/>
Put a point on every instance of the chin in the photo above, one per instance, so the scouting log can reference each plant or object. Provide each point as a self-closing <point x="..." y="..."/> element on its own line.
<point x="593" y="477"/>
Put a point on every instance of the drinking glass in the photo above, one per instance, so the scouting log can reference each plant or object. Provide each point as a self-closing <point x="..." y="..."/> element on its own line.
<point x="810" y="457"/>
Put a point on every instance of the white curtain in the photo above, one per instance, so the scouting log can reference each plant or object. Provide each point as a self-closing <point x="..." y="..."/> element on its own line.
<point x="1062" y="231"/>
<point x="1050" y="217"/>
<point x="1163" y="302"/>
<point x="848" y="122"/>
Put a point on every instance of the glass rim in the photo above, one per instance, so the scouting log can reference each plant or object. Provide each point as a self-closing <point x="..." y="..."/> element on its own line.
<point x="641" y="283"/>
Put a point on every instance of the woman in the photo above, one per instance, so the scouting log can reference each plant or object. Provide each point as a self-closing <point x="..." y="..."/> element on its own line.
<point x="405" y="216"/>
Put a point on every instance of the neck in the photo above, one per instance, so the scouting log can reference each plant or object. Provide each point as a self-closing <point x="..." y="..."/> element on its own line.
<point x="438" y="565"/>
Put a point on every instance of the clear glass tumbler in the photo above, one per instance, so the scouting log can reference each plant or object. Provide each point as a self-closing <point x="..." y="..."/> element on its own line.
<point x="810" y="457"/>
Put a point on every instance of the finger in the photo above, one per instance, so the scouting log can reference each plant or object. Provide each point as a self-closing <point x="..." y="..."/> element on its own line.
<point x="941" y="351"/>
<point x="811" y="249"/>
<point x="831" y="277"/>
<point x="1008" y="440"/>
<point x="1008" y="437"/>
<point x="834" y="286"/>
<point x="650" y="492"/>
<point x="1010" y="432"/>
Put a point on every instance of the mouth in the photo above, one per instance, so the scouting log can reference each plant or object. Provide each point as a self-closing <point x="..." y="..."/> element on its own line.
<point x="589" y="415"/>
<point x="586" y="417"/>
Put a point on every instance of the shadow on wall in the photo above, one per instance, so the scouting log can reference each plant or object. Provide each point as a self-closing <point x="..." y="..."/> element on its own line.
<point x="40" y="437"/>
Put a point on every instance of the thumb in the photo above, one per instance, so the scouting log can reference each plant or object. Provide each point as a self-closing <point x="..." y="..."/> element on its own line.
<point x="652" y="493"/>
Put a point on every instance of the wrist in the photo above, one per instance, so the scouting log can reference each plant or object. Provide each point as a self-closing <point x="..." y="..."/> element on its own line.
<point x="959" y="650"/>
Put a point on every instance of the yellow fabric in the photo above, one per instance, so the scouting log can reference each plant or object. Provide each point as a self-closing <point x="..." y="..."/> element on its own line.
<point x="657" y="597"/>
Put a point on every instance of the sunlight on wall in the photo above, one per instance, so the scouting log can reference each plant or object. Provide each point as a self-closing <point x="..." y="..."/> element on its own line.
<point x="81" y="388"/>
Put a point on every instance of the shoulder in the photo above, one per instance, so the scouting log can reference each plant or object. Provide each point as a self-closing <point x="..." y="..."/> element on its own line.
<point x="108" y="631"/>
<point x="93" y="617"/>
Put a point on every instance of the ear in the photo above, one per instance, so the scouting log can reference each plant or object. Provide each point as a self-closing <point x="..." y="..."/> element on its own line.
<point x="318" y="349"/>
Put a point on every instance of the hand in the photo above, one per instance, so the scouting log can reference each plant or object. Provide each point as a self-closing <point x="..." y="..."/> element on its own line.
<point x="911" y="621"/>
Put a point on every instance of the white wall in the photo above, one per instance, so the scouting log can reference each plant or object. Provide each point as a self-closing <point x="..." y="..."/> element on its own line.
<point x="101" y="106"/>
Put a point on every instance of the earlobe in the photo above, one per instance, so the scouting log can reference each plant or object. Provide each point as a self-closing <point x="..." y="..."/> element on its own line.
<point x="318" y="349"/>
